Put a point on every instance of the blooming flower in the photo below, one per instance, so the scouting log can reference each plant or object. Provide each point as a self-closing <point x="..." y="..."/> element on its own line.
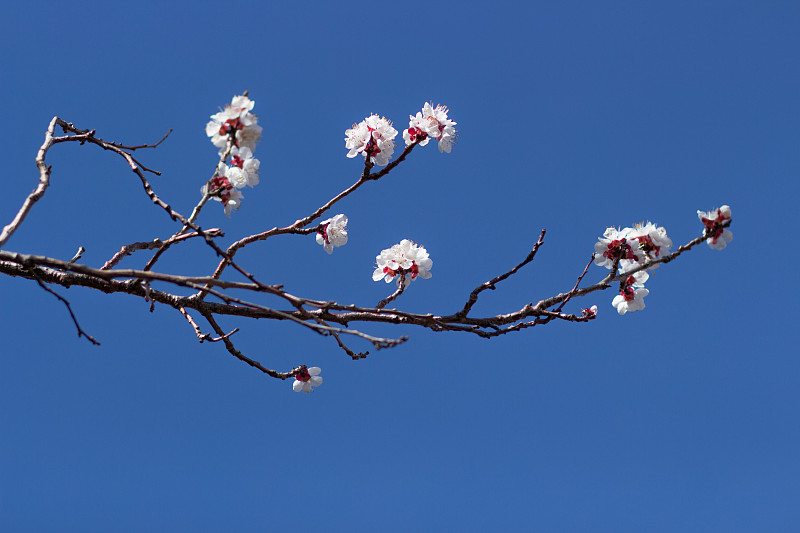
<point x="629" y="248"/>
<point x="235" y="122"/>
<point x="307" y="378"/>
<point x="651" y="241"/>
<point x="431" y="123"/>
<point x="404" y="258"/>
<point x="616" y="244"/>
<point x="718" y="237"/>
<point x="590" y="311"/>
<point x="332" y="233"/>
<point x="630" y="299"/>
<point x="230" y="197"/>
<point x="244" y="167"/>
<point x="373" y="137"/>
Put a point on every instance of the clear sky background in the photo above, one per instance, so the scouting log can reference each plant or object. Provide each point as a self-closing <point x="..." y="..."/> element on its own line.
<point x="573" y="117"/>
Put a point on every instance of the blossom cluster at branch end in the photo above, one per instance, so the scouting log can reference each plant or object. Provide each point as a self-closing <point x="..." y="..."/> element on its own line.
<point x="373" y="138"/>
<point x="332" y="233"/>
<point x="629" y="248"/>
<point x="405" y="258"/>
<point x="236" y="128"/>
<point x="307" y="378"/>
<point x="431" y="123"/>
<point x="235" y="123"/>
<point x="718" y="237"/>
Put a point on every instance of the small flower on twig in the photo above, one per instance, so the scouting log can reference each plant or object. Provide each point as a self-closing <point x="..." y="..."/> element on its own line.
<point x="403" y="258"/>
<point x="590" y="311"/>
<point x="307" y="378"/>
<point x="718" y="237"/>
<point x="332" y="233"/>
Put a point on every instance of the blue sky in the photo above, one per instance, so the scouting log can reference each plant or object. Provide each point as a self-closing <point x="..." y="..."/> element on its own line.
<point x="572" y="116"/>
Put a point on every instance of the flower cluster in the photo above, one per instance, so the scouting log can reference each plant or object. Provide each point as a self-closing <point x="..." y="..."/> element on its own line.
<point x="373" y="137"/>
<point x="431" y="123"/>
<point x="401" y="259"/>
<point x="718" y="237"/>
<point x="235" y="131"/>
<point x="332" y="233"/>
<point x="626" y="249"/>
<point x="307" y="378"/>
<point x="236" y="124"/>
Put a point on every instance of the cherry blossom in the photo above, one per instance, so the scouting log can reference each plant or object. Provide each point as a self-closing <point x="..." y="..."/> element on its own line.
<point x="431" y="123"/>
<point x="332" y="233"/>
<point x="718" y="237"/>
<point x="244" y="167"/>
<point x="235" y="122"/>
<point x="652" y="242"/>
<point x="630" y="299"/>
<point x="230" y="197"/>
<point x="629" y="248"/>
<point x="373" y="137"/>
<point x="590" y="311"/>
<point x="307" y="378"/>
<point x="404" y="258"/>
<point x="616" y="244"/>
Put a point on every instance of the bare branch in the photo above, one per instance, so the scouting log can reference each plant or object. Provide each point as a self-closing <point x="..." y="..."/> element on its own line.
<point x="81" y="332"/>
<point x="78" y="254"/>
<point x="401" y="286"/>
<point x="38" y="192"/>
<point x="239" y="355"/>
<point x="140" y="146"/>
<point x="577" y="283"/>
<point x="473" y="297"/>
<point x="128" y="249"/>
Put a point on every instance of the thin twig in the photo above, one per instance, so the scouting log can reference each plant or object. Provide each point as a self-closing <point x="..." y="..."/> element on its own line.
<point x="38" y="192"/>
<point x="401" y="286"/>
<point x="81" y="332"/>
<point x="473" y="297"/>
<point x="123" y="147"/>
<point x="78" y="254"/>
<point x="577" y="284"/>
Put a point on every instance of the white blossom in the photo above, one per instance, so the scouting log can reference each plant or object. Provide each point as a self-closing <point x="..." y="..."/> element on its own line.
<point x="718" y="237"/>
<point x="651" y="241"/>
<point x="307" y="378"/>
<point x="404" y="258"/>
<point x="235" y="122"/>
<point x="373" y="137"/>
<point x="616" y="244"/>
<point x="332" y="233"/>
<point x="244" y="167"/>
<point x="230" y="197"/>
<point x="630" y="299"/>
<point x="431" y="123"/>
